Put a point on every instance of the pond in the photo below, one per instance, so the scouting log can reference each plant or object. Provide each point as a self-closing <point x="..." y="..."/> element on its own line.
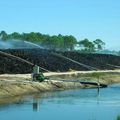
<point x="77" y="104"/>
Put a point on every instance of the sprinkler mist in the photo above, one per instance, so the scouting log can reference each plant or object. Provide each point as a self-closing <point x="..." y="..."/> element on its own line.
<point x="114" y="66"/>
<point x="66" y="58"/>
<point x="20" y="59"/>
<point x="76" y="62"/>
<point x="33" y="44"/>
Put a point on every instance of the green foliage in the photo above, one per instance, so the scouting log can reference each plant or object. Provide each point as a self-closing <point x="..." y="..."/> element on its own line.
<point x="15" y="35"/>
<point x="56" y="42"/>
<point x="3" y="35"/>
<point x="69" y="42"/>
<point x="99" y="44"/>
<point x="87" y="45"/>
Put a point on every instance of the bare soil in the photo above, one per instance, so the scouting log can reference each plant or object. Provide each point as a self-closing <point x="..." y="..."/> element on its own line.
<point x="21" y="84"/>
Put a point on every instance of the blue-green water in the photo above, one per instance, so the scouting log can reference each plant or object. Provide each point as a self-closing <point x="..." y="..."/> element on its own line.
<point x="80" y="104"/>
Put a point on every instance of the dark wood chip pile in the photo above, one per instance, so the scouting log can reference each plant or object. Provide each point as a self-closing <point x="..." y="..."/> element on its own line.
<point x="45" y="59"/>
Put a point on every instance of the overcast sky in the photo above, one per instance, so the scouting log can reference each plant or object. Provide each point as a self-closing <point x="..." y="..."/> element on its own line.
<point x="90" y="19"/>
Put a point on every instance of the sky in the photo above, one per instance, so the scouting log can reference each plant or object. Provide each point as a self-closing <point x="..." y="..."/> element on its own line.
<point x="92" y="19"/>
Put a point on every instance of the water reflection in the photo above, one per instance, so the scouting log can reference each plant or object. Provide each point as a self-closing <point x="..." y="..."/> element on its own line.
<point x="11" y="100"/>
<point x="69" y="97"/>
<point x="84" y="104"/>
<point x="36" y="103"/>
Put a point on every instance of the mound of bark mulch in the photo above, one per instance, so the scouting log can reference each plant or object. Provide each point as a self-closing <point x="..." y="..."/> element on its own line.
<point x="49" y="61"/>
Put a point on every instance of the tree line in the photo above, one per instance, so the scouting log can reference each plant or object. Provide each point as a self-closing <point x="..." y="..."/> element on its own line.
<point x="56" y="42"/>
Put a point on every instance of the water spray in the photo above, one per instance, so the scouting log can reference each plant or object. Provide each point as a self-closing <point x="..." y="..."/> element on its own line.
<point x="61" y="56"/>
<point x="81" y="64"/>
<point x="20" y="59"/>
<point x="33" y="44"/>
<point x="115" y="66"/>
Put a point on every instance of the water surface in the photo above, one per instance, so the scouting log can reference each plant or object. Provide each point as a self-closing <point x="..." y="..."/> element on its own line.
<point x="79" y="104"/>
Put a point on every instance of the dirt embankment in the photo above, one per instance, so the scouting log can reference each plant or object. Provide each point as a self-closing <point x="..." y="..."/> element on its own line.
<point x="15" y="85"/>
<point x="20" y="84"/>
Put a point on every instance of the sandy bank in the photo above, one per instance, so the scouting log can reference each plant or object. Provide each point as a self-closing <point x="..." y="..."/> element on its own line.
<point x="20" y="84"/>
<point x="14" y="88"/>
